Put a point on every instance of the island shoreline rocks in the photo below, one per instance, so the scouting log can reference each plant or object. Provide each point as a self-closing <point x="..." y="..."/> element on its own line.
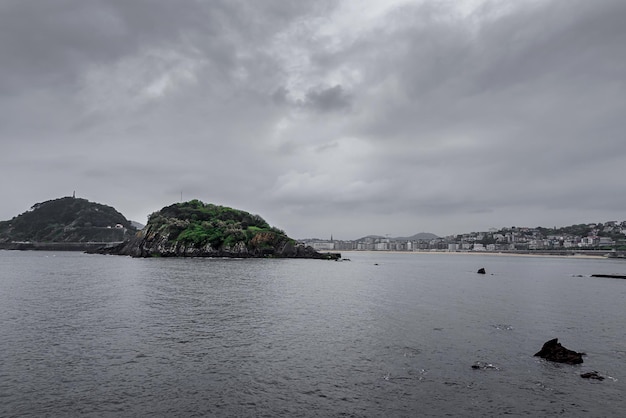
<point x="140" y="248"/>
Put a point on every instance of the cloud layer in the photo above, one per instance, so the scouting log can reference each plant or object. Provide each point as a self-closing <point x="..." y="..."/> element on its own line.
<point x="343" y="118"/>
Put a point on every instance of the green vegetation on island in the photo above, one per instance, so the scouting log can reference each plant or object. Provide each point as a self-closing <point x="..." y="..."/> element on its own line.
<point x="197" y="224"/>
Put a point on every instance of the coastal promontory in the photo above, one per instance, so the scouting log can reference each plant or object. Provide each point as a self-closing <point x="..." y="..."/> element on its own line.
<point x="197" y="229"/>
<point x="67" y="223"/>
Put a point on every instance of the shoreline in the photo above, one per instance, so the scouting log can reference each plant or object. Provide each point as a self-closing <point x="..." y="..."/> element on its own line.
<point x="487" y="253"/>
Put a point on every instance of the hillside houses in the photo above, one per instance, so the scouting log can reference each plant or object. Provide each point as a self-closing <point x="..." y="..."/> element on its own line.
<point x="595" y="236"/>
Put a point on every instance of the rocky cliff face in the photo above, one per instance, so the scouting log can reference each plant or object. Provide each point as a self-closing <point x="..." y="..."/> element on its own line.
<point x="195" y="229"/>
<point x="148" y="243"/>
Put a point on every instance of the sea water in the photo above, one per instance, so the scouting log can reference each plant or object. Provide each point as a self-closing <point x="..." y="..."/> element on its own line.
<point x="381" y="335"/>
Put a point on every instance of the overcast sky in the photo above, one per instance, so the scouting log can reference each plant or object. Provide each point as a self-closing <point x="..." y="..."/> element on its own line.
<point x="324" y="117"/>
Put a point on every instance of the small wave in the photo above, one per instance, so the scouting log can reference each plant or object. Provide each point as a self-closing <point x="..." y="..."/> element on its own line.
<point x="411" y="352"/>
<point x="389" y="377"/>
<point x="503" y="327"/>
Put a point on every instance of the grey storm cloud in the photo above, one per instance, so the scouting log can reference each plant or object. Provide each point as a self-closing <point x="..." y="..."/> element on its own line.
<point x="324" y="117"/>
<point x="327" y="99"/>
<point x="320" y="99"/>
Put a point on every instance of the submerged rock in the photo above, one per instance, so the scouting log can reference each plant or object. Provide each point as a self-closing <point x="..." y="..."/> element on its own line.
<point x="553" y="351"/>
<point x="592" y="375"/>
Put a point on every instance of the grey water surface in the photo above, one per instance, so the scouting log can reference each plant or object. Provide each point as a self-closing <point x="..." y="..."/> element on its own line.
<point x="381" y="335"/>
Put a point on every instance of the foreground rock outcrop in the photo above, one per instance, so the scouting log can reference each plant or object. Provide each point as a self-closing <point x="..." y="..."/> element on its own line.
<point x="553" y="351"/>
<point x="196" y="229"/>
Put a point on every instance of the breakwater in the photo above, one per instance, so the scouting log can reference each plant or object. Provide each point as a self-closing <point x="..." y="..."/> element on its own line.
<point x="55" y="246"/>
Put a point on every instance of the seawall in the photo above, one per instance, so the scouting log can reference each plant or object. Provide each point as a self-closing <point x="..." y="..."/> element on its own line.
<point x="55" y="246"/>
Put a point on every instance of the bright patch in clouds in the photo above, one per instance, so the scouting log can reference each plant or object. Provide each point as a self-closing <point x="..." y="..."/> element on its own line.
<point x="350" y="117"/>
<point x="135" y="81"/>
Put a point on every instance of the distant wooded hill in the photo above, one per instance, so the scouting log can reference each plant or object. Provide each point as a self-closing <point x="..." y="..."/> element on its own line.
<point x="422" y="236"/>
<point x="67" y="219"/>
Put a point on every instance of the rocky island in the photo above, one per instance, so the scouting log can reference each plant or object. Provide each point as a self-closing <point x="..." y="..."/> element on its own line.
<point x="197" y="229"/>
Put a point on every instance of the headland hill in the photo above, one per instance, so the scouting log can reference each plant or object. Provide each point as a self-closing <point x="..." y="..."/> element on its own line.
<point x="65" y="224"/>
<point x="186" y="229"/>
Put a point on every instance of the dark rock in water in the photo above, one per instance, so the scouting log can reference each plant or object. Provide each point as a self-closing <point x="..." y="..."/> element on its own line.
<point x="610" y="276"/>
<point x="479" y="365"/>
<point x="553" y="351"/>
<point x="481" y="271"/>
<point x="592" y="375"/>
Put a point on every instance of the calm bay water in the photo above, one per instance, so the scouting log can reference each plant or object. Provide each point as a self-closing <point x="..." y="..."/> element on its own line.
<point x="381" y="335"/>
